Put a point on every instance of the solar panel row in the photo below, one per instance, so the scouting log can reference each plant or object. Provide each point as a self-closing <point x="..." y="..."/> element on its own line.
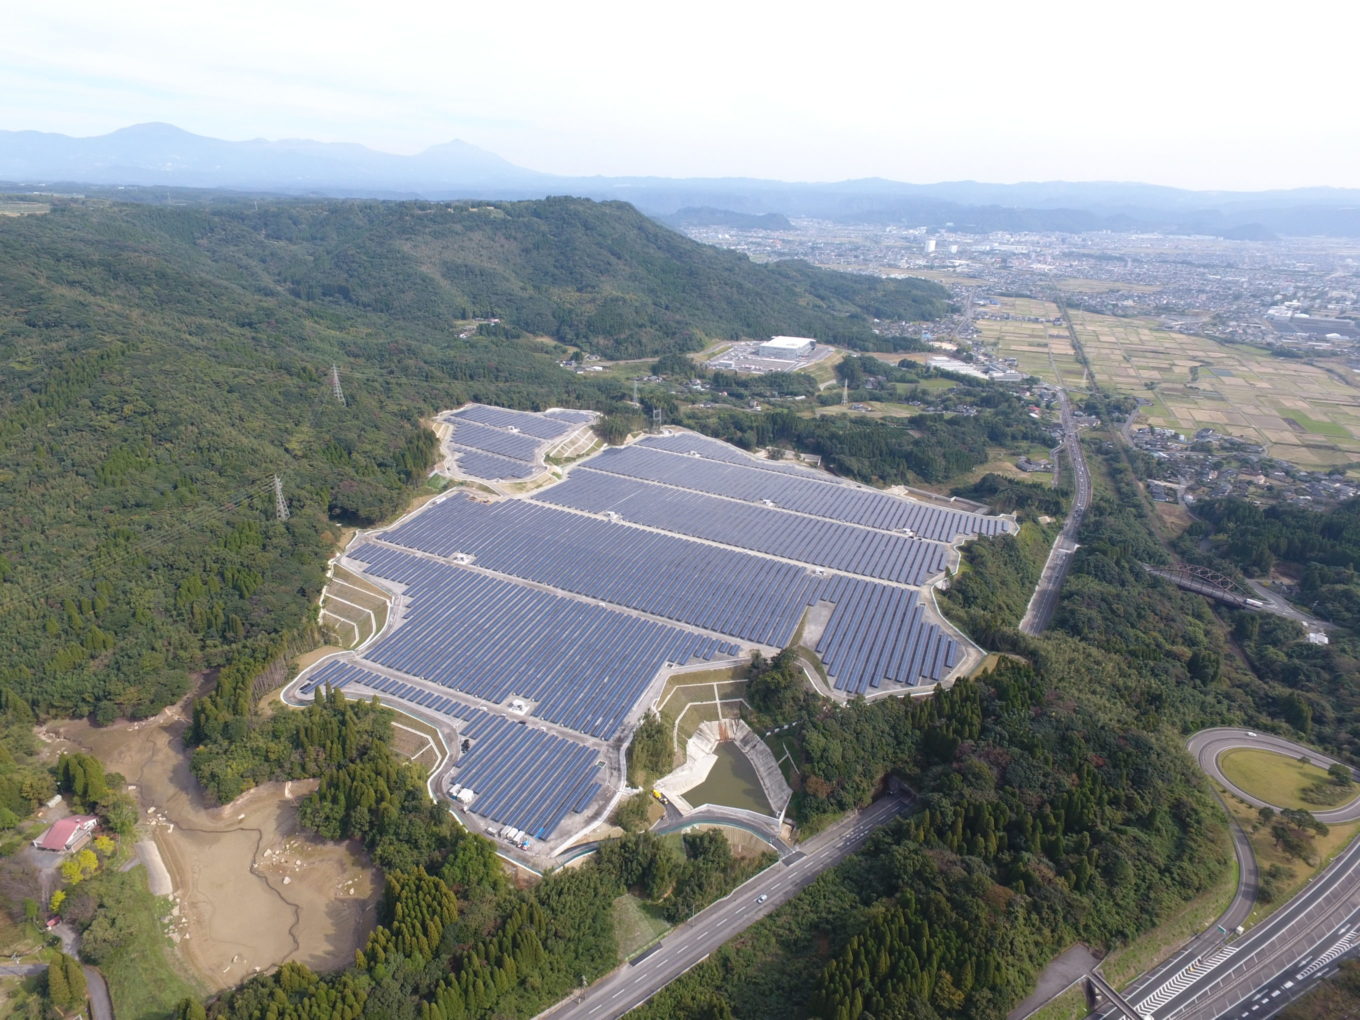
<point x="805" y="495"/>
<point x="690" y="443"/>
<point x="571" y="415"/>
<point x="515" y="445"/>
<point x="521" y="776"/>
<point x="540" y="426"/>
<point x="479" y="464"/>
<point x="828" y="543"/>
<point x="584" y="665"/>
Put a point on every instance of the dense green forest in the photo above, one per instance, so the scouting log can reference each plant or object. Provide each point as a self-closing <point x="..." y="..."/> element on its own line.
<point x="162" y="364"/>
<point x="1314" y="688"/>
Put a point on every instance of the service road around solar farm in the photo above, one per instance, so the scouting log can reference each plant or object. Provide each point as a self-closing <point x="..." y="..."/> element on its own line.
<point x="535" y="631"/>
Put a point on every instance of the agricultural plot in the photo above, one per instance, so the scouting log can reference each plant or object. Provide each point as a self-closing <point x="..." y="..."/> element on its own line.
<point x="1040" y="346"/>
<point x="1300" y="413"/>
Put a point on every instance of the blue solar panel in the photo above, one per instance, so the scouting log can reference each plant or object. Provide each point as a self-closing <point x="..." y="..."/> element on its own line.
<point x="795" y="489"/>
<point x="552" y="603"/>
<point x="828" y="543"/>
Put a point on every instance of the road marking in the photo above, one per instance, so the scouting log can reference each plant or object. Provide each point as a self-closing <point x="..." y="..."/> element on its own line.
<point x="1346" y="942"/>
<point x="1183" y="980"/>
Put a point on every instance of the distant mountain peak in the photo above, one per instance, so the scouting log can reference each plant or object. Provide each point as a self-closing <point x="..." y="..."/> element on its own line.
<point x="152" y="130"/>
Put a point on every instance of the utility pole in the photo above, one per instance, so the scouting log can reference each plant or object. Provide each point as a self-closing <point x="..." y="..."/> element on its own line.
<point x="335" y="386"/>
<point x="280" y="504"/>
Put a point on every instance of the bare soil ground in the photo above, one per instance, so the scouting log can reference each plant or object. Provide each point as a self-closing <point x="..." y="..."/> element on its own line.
<point x="252" y="889"/>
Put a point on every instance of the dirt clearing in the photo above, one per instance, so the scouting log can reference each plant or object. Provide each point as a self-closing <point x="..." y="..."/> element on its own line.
<point x="252" y="889"/>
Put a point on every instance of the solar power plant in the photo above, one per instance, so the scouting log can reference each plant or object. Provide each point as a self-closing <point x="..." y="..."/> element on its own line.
<point x="677" y="549"/>
<point x="754" y="481"/>
<point x="520" y="776"/>
<point x="724" y="591"/>
<point x="827" y="543"/>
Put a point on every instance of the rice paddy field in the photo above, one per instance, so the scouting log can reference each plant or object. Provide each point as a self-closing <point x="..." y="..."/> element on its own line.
<point x="1042" y="348"/>
<point x="1299" y="412"/>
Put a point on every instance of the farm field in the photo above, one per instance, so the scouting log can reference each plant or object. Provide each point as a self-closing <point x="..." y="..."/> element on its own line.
<point x="1041" y="348"/>
<point x="1298" y="412"/>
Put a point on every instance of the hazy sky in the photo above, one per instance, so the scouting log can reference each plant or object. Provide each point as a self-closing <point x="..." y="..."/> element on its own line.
<point x="1190" y="93"/>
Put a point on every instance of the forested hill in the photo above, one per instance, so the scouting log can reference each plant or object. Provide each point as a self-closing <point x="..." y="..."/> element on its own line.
<point x="599" y="275"/>
<point x="161" y="364"/>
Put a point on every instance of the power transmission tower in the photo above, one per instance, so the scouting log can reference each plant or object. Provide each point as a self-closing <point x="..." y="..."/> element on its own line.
<point x="635" y="399"/>
<point x="658" y="416"/>
<point x="280" y="504"/>
<point x="845" y="392"/>
<point x="335" y="386"/>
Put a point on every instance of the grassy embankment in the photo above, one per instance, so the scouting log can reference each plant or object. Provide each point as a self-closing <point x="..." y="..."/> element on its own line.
<point x="143" y="972"/>
<point x="1281" y="780"/>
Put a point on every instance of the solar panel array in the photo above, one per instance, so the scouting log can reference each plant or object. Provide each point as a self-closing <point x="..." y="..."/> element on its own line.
<point x="691" y="444"/>
<point x="488" y="466"/>
<point x="570" y="415"/>
<point x="543" y="600"/>
<point x="515" y="445"/>
<point x="585" y="665"/>
<point x="497" y="443"/>
<point x="802" y="492"/>
<point x="540" y="426"/>
<point x="722" y="590"/>
<point x="857" y="550"/>
<point x="520" y="776"/>
<point x="744" y="595"/>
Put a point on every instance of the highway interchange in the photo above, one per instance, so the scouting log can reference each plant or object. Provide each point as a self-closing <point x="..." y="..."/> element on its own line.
<point x="1258" y="974"/>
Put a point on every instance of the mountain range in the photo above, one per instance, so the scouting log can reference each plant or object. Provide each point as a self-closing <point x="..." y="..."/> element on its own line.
<point x="161" y="155"/>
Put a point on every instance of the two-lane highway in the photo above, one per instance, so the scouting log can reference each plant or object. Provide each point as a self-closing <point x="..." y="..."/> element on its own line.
<point x="1045" y="598"/>
<point x="632" y="984"/>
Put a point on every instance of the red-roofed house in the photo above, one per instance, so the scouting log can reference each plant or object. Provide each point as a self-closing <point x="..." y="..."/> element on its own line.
<point x="68" y="834"/>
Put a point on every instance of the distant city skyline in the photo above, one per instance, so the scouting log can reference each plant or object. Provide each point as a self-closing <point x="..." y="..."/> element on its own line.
<point x="1165" y="94"/>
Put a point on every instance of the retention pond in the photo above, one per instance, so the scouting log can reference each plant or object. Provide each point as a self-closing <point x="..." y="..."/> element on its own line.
<point x="732" y="782"/>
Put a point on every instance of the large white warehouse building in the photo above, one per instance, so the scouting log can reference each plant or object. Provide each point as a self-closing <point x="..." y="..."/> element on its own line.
<point x="790" y="348"/>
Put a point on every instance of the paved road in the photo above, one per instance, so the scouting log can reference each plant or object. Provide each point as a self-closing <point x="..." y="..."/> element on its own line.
<point x="1045" y="598"/>
<point x="1280" y="606"/>
<point x="1257" y="975"/>
<point x="101" y="1006"/>
<point x="633" y="984"/>
<point x="21" y="969"/>
<point x="1207" y="745"/>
